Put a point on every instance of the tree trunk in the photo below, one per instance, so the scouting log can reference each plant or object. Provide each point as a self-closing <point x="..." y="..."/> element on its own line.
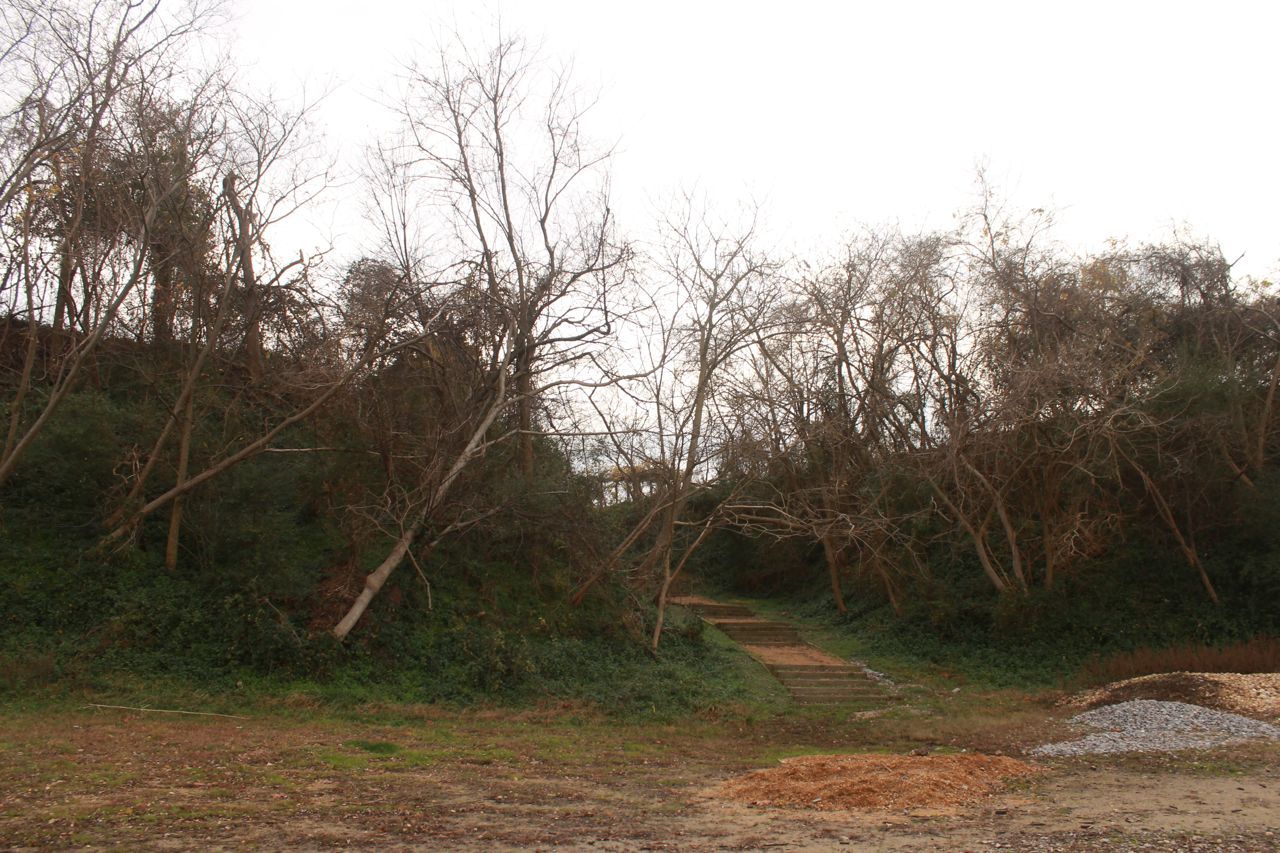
<point x="1050" y="560"/>
<point x="175" y="514"/>
<point x="1011" y="535"/>
<point x="374" y="582"/>
<point x="24" y="384"/>
<point x="669" y="578"/>
<point x="979" y="539"/>
<point x="878" y="565"/>
<point x="1185" y="543"/>
<point x="524" y="390"/>
<point x="834" y="566"/>
<point x="252" y="299"/>
<point x="162" y="305"/>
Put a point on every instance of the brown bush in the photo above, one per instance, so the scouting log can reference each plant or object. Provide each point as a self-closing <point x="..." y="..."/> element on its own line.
<point x="1260" y="654"/>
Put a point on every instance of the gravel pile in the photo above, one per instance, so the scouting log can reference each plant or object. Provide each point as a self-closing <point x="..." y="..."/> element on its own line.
<point x="1147" y="725"/>
<point x="1256" y="695"/>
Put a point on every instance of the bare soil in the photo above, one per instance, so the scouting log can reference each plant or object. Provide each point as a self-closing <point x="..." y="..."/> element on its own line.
<point x="564" y="778"/>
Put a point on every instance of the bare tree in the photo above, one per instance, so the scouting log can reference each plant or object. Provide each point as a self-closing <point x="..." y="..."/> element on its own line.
<point x="219" y="246"/>
<point x="712" y="307"/>
<point x="83" y="189"/>
<point x="497" y="149"/>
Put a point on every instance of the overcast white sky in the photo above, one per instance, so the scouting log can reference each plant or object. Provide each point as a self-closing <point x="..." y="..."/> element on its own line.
<point x="1129" y="118"/>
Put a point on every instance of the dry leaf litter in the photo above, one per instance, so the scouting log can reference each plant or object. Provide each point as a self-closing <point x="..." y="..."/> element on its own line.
<point x="828" y="782"/>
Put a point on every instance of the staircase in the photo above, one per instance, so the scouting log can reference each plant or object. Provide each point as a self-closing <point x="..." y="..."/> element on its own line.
<point x="810" y="676"/>
<point x="758" y="632"/>
<point x="819" y="684"/>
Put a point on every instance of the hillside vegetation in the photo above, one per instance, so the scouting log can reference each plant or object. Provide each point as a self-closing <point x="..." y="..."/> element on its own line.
<point x="475" y="461"/>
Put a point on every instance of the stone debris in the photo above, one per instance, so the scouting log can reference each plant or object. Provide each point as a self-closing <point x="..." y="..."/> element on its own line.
<point x="874" y="675"/>
<point x="1148" y="725"/>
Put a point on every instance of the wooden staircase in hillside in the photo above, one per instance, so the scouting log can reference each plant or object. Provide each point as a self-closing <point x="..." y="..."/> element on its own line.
<point x="817" y="684"/>
<point x="811" y="676"/>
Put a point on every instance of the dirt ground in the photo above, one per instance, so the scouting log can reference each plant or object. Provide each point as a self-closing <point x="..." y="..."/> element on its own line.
<point x="566" y="779"/>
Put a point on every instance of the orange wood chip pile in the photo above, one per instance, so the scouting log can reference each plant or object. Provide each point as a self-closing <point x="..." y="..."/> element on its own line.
<point x="876" y="781"/>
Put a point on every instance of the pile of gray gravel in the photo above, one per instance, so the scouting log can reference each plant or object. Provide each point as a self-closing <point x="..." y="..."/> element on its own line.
<point x="1146" y="725"/>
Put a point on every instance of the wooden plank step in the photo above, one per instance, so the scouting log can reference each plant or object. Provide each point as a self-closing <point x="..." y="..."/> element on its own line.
<point x="827" y="682"/>
<point x="807" y="683"/>
<point x="782" y="669"/>
<point x="832" y="691"/>
<point x="721" y="611"/>
<point x="752" y="637"/>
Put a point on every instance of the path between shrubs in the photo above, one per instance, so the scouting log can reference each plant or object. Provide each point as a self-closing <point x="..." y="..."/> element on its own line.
<point x="810" y="675"/>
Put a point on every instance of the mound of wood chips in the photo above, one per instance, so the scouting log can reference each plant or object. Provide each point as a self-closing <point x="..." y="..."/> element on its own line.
<point x="834" y="782"/>
<point x="1256" y="696"/>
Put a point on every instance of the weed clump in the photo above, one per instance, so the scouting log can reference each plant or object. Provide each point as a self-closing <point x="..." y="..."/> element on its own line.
<point x="1260" y="654"/>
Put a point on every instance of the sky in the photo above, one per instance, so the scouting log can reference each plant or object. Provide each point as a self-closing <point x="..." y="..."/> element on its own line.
<point x="1130" y="120"/>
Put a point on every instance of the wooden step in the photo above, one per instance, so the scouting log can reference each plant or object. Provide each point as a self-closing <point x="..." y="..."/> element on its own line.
<point x="757" y="639"/>
<point x="861" y="690"/>
<point x="721" y="611"/>
<point x="832" y="672"/>
<point x="829" y="696"/>
<point x="837" y="681"/>
<point x="784" y="669"/>
<point x="807" y="683"/>
<point x="762" y="632"/>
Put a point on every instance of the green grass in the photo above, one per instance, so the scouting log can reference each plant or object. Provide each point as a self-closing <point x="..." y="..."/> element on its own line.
<point x="762" y="694"/>
<point x="341" y="760"/>
<point x="706" y="673"/>
<point x="377" y="747"/>
<point x="415" y="758"/>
